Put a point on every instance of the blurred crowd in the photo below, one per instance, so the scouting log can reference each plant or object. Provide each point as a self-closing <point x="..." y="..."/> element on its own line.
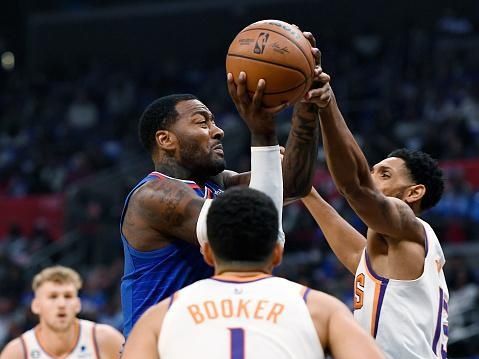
<point x="60" y="128"/>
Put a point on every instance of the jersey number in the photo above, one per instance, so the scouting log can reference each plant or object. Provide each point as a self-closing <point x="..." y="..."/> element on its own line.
<point x="237" y="343"/>
<point x="359" y="291"/>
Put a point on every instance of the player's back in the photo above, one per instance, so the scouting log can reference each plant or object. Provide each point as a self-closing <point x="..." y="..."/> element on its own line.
<point x="230" y="317"/>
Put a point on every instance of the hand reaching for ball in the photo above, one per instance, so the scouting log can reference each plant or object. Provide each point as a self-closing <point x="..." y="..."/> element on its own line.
<point x="259" y="119"/>
<point x="320" y="92"/>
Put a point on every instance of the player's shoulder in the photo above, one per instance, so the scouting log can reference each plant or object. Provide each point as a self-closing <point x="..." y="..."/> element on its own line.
<point x="152" y="319"/>
<point x="14" y="350"/>
<point x="202" y="285"/>
<point x="322" y="305"/>
<point x="109" y="340"/>
<point x="154" y="193"/>
<point x="161" y="183"/>
<point x="107" y="332"/>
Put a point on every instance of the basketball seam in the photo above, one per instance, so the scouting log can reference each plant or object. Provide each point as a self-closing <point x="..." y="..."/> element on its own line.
<point x="280" y="92"/>
<point x="273" y="63"/>
<point x="290" y="39"/>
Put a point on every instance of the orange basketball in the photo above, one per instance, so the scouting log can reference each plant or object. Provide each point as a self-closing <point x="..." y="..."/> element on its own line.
<point x="277" y="52"/>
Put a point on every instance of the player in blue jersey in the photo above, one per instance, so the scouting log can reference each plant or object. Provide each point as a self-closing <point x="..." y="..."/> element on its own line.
<point x="164" y="213"/>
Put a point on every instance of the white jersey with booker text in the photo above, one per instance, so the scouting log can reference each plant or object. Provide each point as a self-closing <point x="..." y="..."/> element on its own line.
<point x="408" y="318"/>
<point x="229" y="318"/>
<point x="85" y="348"/>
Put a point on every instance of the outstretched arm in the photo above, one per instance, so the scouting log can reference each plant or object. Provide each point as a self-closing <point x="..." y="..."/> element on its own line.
<point x="302" y="145"/>
<point x="350" y="171"/>
<point x="301" y="151"/>
<point x="345" y="241"/>
<point x="266" y="173"/>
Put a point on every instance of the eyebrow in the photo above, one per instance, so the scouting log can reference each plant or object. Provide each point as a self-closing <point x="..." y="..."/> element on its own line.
<point x="381" y="167"/>
<point x="204" y="113"/>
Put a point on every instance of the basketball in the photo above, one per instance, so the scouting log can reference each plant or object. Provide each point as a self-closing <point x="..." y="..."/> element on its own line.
<point x="277" y="52"/>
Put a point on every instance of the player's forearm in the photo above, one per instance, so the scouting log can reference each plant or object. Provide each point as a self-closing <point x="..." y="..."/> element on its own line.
<point x="346" y="162"/>
<point x="266" y="177"/>
<point x="345" y="241"/>
<point x="301" y="151"/>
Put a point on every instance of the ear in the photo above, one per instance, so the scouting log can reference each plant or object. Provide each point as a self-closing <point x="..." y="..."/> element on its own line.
<point x="277" y="254"/>
<point x="35" y="306"/>
<point x="208" y="254"/>
<point x="166" y="140"/>
<point x="415" y="193"/>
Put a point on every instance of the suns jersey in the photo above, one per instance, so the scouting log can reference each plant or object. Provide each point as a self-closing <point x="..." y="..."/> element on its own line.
<point x="86" y="347"/>
<point x="408" y="318"/>
<point x="263" y="318"/>
<point x="151" y="276"/>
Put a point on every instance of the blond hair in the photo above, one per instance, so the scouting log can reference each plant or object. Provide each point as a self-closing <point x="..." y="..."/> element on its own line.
<point x="57" y="274"/>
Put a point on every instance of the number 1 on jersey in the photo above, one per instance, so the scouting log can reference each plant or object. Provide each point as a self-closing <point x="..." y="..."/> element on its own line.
<point x="237" y="343"/>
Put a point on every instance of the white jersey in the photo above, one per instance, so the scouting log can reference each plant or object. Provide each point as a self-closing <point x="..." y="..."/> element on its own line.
<point x="229" y="318"/>
<point x="408" y="318"/>
<point x="85" y="348"/>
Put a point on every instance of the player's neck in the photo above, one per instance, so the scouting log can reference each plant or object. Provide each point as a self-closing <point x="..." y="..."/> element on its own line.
<point x="176" y="171"/>
<point x="242" y="274"/>
<point x="58" y="344"/>
<point x="171" y="168"/>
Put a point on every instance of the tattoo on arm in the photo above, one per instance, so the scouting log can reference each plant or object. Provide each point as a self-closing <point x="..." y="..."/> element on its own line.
<point x="301" y="152"/>
<point x="172" y="201"/>
<point x="166" y="204"/>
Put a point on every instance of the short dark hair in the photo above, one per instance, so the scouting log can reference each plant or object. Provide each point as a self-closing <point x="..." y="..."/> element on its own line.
<point x="423" y="170"/>
<point x="242" y="226"/>
<point x="159" y="114"/>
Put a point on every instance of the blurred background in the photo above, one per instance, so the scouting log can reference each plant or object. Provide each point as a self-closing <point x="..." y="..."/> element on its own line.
<point x="75" y="76"/>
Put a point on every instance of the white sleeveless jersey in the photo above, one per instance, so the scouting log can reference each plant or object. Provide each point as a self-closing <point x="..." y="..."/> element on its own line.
<point x="263" y="318"/>
<point x="408" y="318"/>
<point x="86" y="347"/>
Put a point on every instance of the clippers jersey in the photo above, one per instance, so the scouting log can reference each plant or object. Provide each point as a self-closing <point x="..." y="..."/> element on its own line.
<point x="151" y="276"/>
<point x="261" y="318"/>
<point x="86" y="346"/>
<point x="408" y="318"/>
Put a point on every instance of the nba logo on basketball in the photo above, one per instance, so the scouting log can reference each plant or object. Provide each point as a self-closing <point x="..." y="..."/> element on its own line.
<point x="261" y="43"/>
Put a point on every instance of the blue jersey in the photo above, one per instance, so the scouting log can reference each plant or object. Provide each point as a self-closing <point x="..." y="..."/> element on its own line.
<point x="151" y="276"/>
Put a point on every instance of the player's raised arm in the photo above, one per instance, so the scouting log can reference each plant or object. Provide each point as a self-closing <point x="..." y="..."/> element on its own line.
<point x="351" y="173"/>
<point x="345" y="241"/>
<point x="302" y="147"/>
